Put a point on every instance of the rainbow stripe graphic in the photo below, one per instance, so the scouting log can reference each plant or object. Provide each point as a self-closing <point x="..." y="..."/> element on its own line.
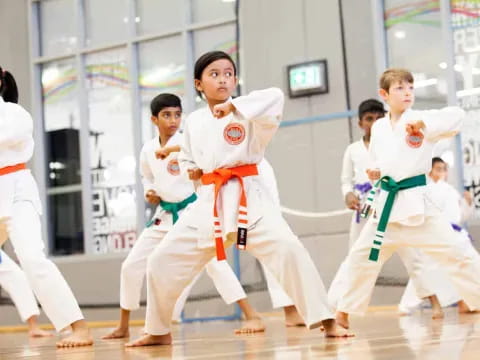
<point x="464" y="13"/>
<point x="116" y="74"/>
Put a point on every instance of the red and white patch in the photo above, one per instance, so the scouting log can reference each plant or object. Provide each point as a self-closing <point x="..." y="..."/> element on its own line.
<point x="414" y="140"/>
<point x="234" y="133"/>
<point x="173" y="167"/>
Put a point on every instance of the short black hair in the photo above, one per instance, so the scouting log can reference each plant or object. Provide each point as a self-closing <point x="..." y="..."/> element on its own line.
<point x="8" y="87"/>
<point x="437" y="159"/>
<point x="372" y="106"/>
<point x="208" y="58"/>
<point x="162" y="101"/>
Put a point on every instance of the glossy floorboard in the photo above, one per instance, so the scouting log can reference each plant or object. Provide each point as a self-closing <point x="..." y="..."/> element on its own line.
<point x="379" y="335"/>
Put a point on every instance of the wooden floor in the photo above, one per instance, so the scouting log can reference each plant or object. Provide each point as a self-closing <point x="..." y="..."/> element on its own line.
<point x="380" y="335"/>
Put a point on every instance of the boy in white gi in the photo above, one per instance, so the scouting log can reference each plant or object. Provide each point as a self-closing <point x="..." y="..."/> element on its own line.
<point x="354" y="179"/>
<point x="20" y="218"/>
<point x="355" y="188"/>
<point x="223" y="145"/>
<point x="456" y="210"/>
<point x="400" y="153"/>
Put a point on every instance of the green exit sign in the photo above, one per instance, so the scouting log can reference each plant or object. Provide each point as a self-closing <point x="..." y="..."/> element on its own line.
<point x="308" y="78"/>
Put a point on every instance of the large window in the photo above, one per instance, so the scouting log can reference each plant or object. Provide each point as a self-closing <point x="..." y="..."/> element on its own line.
<point x="57" y="30"/>
<point x="112" y="166"/>
<point x="154" y="16"/>
<point x="106" y="21"/>
<point x="99" y="64"/>
<point x="62" y="149"/>
<point x="417" y="37"/>
<point x="162" y="69"/>
<point x="414" y="39"/>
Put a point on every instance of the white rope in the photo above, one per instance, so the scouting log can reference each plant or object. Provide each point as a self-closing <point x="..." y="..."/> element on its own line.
<point x="317" y="215"/>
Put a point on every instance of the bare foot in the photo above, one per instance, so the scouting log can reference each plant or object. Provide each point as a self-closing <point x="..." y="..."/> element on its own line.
<point x="78" y="338"/>
<point x="39" y="333"/>
<point x="34" y="330"/>
<point x="437" y="314"/>
<point x="342" y="320"/>
<point x="437" y="311"/>
<point x="251" y="326"/>
<point x="464" y="309"/>
<point x="292" y="317"/>
<point x="334" y="330"/>
<point x="150" y="340"/>
<point x="118" y="333"/>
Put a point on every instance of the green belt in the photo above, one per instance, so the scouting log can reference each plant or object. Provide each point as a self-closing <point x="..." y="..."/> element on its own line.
<point x="174" y="208"/>
<point x="392" y="187"/>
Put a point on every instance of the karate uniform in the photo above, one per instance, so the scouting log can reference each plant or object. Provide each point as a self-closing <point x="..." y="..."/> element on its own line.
<point x="15" y="283"/>
<point x="163" y="176"/>
<point x="414" y="220"/>
<point x="20" y="210"/>
<point x="354" y="179"/>
<point x="237" y="139"/>
<point x="455" y="210"/>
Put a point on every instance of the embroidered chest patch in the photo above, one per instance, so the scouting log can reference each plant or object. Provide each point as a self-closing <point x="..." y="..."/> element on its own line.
<point x="173" y="167"/>
<point x="234" y="133"/>
<point x="414" y="140"/>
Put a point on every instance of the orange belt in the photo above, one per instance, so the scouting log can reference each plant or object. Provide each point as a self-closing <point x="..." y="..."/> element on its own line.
<point x="11" y="169"/>
<point x="220" y="177"/>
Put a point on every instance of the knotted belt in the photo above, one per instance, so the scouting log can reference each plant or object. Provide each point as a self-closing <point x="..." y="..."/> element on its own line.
<point x="11" y="169"/>
<point x="392" y="187"/>
<point x="220" y="177"/>
<point x="174" y="208"/>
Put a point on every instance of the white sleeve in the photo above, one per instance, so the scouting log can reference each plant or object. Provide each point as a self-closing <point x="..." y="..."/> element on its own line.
<point x="185" y="158"/>
<point x="16" y="127"/>
<point x="264" y="109"/>
<point x="346" y="177"/>
<point x="443" y="123"/>
<point x="146" y="172"/>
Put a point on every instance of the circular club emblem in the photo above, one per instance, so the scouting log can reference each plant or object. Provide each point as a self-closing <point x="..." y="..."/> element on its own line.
<point x="234" y="133"/>
<point x="173" y="167"/>
<point x="415" y="140"/>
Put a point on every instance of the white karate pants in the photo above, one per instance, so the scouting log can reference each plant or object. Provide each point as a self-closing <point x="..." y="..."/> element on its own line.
<point x="135" y="266"/>
<point x="46" y="281"/>
<point x="178" y="259"/>
<point x="433" y="237"/>
<point x="15" y="283"/>
<point x="445" y="290"/>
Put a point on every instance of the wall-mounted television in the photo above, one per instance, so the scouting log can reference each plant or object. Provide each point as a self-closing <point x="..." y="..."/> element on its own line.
<point x="308" y="78"/>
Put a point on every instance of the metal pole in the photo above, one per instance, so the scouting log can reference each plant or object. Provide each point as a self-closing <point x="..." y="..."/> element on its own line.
<point x="379" y="36"/>
<point x="136" y="109"/>
<point x="84" y="131"/>
<point x="39" y="156"/>
<point x="190" y="94"/>
<point x="447" y="37"/>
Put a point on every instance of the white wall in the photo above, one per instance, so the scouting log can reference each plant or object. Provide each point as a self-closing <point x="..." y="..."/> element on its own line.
<point x="14" y="46"/>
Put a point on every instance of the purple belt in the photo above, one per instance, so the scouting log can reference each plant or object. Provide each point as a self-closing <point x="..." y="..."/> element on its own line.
<point x="458" y="228"/>
<point x="362" y="189"/>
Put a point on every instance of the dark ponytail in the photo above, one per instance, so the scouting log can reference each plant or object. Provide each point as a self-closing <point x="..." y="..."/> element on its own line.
<point x="8" y="87"/>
